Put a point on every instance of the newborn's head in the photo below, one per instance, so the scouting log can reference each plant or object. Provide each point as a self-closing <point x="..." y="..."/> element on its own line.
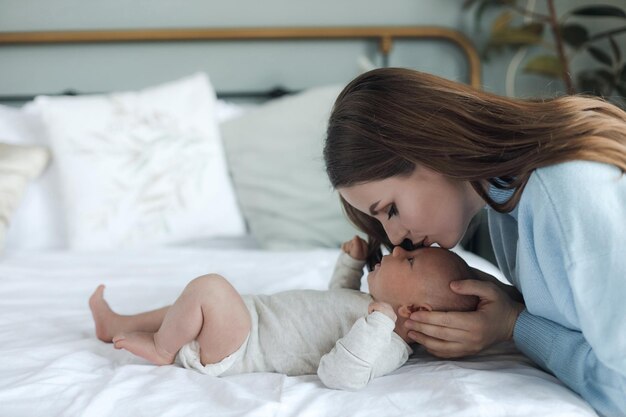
<point x="420" y="280"/>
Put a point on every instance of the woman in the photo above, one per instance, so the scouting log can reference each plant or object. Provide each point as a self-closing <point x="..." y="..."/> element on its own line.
<point x="414" y="157"/>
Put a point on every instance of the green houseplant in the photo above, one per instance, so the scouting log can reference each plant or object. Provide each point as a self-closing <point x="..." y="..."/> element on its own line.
<point x="570" y="37"/>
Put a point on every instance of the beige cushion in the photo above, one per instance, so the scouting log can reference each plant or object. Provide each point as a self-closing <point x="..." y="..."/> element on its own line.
<point x="275" y="158"/>
<point x="18" y="165"/>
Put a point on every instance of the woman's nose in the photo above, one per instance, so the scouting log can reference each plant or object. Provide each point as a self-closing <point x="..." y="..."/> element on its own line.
<point x="396" y="233"/>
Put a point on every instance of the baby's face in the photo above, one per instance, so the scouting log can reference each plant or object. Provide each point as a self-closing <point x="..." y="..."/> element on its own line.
<point x="407" y="278"/>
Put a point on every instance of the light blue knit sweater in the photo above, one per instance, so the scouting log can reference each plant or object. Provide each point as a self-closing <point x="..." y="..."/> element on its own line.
<point x="564" y="248"/>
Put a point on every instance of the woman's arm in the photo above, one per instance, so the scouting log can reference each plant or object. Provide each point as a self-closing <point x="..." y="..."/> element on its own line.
<point x="576" y="327"/>
<point x="566" y="354"/>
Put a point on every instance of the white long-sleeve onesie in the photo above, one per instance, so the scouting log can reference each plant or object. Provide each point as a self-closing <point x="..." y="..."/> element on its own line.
<point x="307" y="331"/>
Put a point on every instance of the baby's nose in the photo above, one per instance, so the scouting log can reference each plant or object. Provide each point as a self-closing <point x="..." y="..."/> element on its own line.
<point x="398" y="251"/>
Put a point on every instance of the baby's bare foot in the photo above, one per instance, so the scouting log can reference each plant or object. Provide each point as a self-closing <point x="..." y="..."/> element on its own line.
<point x="142" y="344"/>
<point x="103" y="316"/>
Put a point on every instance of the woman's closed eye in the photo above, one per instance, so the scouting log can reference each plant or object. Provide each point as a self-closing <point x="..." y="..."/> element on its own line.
<point x="392" y="211"/>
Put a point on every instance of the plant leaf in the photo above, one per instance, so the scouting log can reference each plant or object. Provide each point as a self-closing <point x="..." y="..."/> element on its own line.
<point x="468" y="3"/>
<point x="574" y="35"/>
<point x="548" y="65"/>
<point x="599" y="11"/>
<point x="600" y="55"/>
<point x="596" y="82"/>
<point x="616" y="51"/>
<point x="482" y="7"/>
<point x="502" y="22"/>
<point x="535" y="27"/>
<point x="606" y="75"/>
<point x="530" y="34"/>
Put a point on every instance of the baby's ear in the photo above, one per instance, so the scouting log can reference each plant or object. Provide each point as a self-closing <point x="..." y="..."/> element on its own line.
<point x="406" y="310"/>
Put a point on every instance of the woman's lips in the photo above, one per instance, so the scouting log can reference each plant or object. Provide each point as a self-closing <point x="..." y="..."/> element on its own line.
<point x="421" y="244"/>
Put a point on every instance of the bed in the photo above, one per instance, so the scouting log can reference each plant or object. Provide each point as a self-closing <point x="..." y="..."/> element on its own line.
<point x="277" y="226"/>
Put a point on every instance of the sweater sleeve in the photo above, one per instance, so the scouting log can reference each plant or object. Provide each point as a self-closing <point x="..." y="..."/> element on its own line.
<point x="579" y="236"/>
<point x="369" y="350"/>
<point x="347" y="273"/>
<point x="570" y="358"/>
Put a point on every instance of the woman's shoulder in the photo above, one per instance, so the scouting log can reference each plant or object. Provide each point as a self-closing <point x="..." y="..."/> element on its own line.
<point x="583" y="203"/>
<point x="575" y="179"/>
<point x="576" y="190"/>
<point x="578" y="170"/>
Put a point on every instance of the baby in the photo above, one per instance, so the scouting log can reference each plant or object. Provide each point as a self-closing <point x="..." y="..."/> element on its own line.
<point x="347" y="336"/>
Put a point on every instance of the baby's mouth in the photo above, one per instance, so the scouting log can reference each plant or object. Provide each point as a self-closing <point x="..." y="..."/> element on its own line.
<point x="374" y="270"/>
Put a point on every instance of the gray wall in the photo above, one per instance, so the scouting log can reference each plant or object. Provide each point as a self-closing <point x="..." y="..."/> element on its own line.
<point x="240" y="66"/>
<point x="232" y="66"/>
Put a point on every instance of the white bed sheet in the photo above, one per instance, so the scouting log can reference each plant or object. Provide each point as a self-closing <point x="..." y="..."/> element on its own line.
<point x="51" y="364"/>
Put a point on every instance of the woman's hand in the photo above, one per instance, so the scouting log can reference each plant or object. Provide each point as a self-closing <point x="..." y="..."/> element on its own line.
<point x="455" y="334"/>
<point x="356" y="248"/>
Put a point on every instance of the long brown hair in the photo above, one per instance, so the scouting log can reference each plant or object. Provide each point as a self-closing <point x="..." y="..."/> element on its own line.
<point x="388" y="120"/>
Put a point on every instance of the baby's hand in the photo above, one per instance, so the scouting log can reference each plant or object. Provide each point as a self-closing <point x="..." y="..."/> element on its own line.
<point x="384" y="308"/>
<point x="356" y="248"/>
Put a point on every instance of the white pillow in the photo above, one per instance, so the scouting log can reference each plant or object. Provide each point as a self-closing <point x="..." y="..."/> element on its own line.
<point x="227" y="110"/>
<point x="37" y="223"/>
<point x="142" y="168"/>
<point x="18" y="165"/>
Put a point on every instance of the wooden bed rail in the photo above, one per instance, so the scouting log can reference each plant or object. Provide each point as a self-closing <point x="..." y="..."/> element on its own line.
<point x="385" y="35"/>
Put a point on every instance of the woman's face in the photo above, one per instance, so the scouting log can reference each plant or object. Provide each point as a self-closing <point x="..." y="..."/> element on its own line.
<point x="425" y="206"/>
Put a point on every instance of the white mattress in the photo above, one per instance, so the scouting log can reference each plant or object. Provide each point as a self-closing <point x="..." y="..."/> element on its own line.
<point x="51" y="364"/>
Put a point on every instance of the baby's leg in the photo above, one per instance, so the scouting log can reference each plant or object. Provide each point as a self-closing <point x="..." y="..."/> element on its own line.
<point x="109" y="323"/>
<point x="209" y="310"/>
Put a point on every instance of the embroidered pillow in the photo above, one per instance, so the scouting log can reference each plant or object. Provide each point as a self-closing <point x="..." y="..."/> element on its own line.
<point x="142" y="168"/>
